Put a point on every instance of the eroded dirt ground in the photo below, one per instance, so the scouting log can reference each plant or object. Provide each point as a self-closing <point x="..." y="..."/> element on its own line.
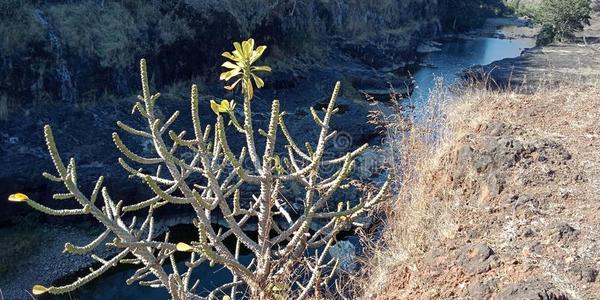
<point x="523" y="180"/>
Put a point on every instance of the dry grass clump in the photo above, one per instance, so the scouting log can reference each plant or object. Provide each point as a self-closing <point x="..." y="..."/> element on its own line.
<point x="414" y="143"/>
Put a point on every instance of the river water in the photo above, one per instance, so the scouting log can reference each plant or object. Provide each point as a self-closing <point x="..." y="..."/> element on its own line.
<point x="455" y="56"/>
<point x="460" y="54"/>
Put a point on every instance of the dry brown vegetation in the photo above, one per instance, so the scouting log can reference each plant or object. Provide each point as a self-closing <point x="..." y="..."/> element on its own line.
<point x="503" y="205"/>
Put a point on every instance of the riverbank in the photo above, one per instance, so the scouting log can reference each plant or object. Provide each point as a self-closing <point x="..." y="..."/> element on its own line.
<point x="498" y="39"/>
<point x="505" y="204"/>
<point x="553" y="65"/>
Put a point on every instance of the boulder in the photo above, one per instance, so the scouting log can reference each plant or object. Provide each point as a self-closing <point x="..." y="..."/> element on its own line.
<point x="345" y="252"/>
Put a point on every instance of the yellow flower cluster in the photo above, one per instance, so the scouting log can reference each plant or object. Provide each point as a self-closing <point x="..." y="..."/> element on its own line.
<point x="241" y="65"/>
<point x="225" y="106"/>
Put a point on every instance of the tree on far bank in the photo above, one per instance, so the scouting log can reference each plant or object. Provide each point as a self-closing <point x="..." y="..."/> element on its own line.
<point x="560" y="19"/>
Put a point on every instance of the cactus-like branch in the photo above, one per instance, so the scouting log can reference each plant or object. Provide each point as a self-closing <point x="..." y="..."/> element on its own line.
<point x="290" y="139"/>
<point x="211" y="179"/>
<point x="316" y="271"/>
<point x="70" y="248"/>
<point x="133" y="131"/>
<point x="51" y="177"/>
<point x="57" y="290"/>
<point x="169" y="122"/>
<point x="164" y="195"/>
<point x="129" y="154"/>
<point x="250" y="133"/>
<point x="56" y="212"/>
<point x="220" y="128"/>
<point x="60" y="167"/>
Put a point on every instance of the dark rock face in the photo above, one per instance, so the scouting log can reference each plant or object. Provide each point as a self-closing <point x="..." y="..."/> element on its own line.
<point x="82" y="134"/>
<point x="477" y="259"/>
<point x="531" y="290"/>
<point x="88" y="50"/>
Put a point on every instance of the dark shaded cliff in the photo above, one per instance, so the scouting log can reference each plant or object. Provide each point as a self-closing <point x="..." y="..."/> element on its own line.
<point x="86" y="51"/>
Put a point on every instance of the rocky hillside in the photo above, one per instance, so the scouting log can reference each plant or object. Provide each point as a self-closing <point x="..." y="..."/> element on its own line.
<point x="507" y="208"/>
<point x="505" y="205"/>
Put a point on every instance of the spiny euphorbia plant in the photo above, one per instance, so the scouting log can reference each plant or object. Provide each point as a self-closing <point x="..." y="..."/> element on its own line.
<point x="283" y="263"/>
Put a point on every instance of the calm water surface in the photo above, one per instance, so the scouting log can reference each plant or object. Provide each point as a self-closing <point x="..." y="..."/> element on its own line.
<point x="461" y="54"/>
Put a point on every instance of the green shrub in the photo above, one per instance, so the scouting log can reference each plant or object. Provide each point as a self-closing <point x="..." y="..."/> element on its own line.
<point x="522" y="8"/>
<point x="562" y="18"/>
<point x="546" y="35"/>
